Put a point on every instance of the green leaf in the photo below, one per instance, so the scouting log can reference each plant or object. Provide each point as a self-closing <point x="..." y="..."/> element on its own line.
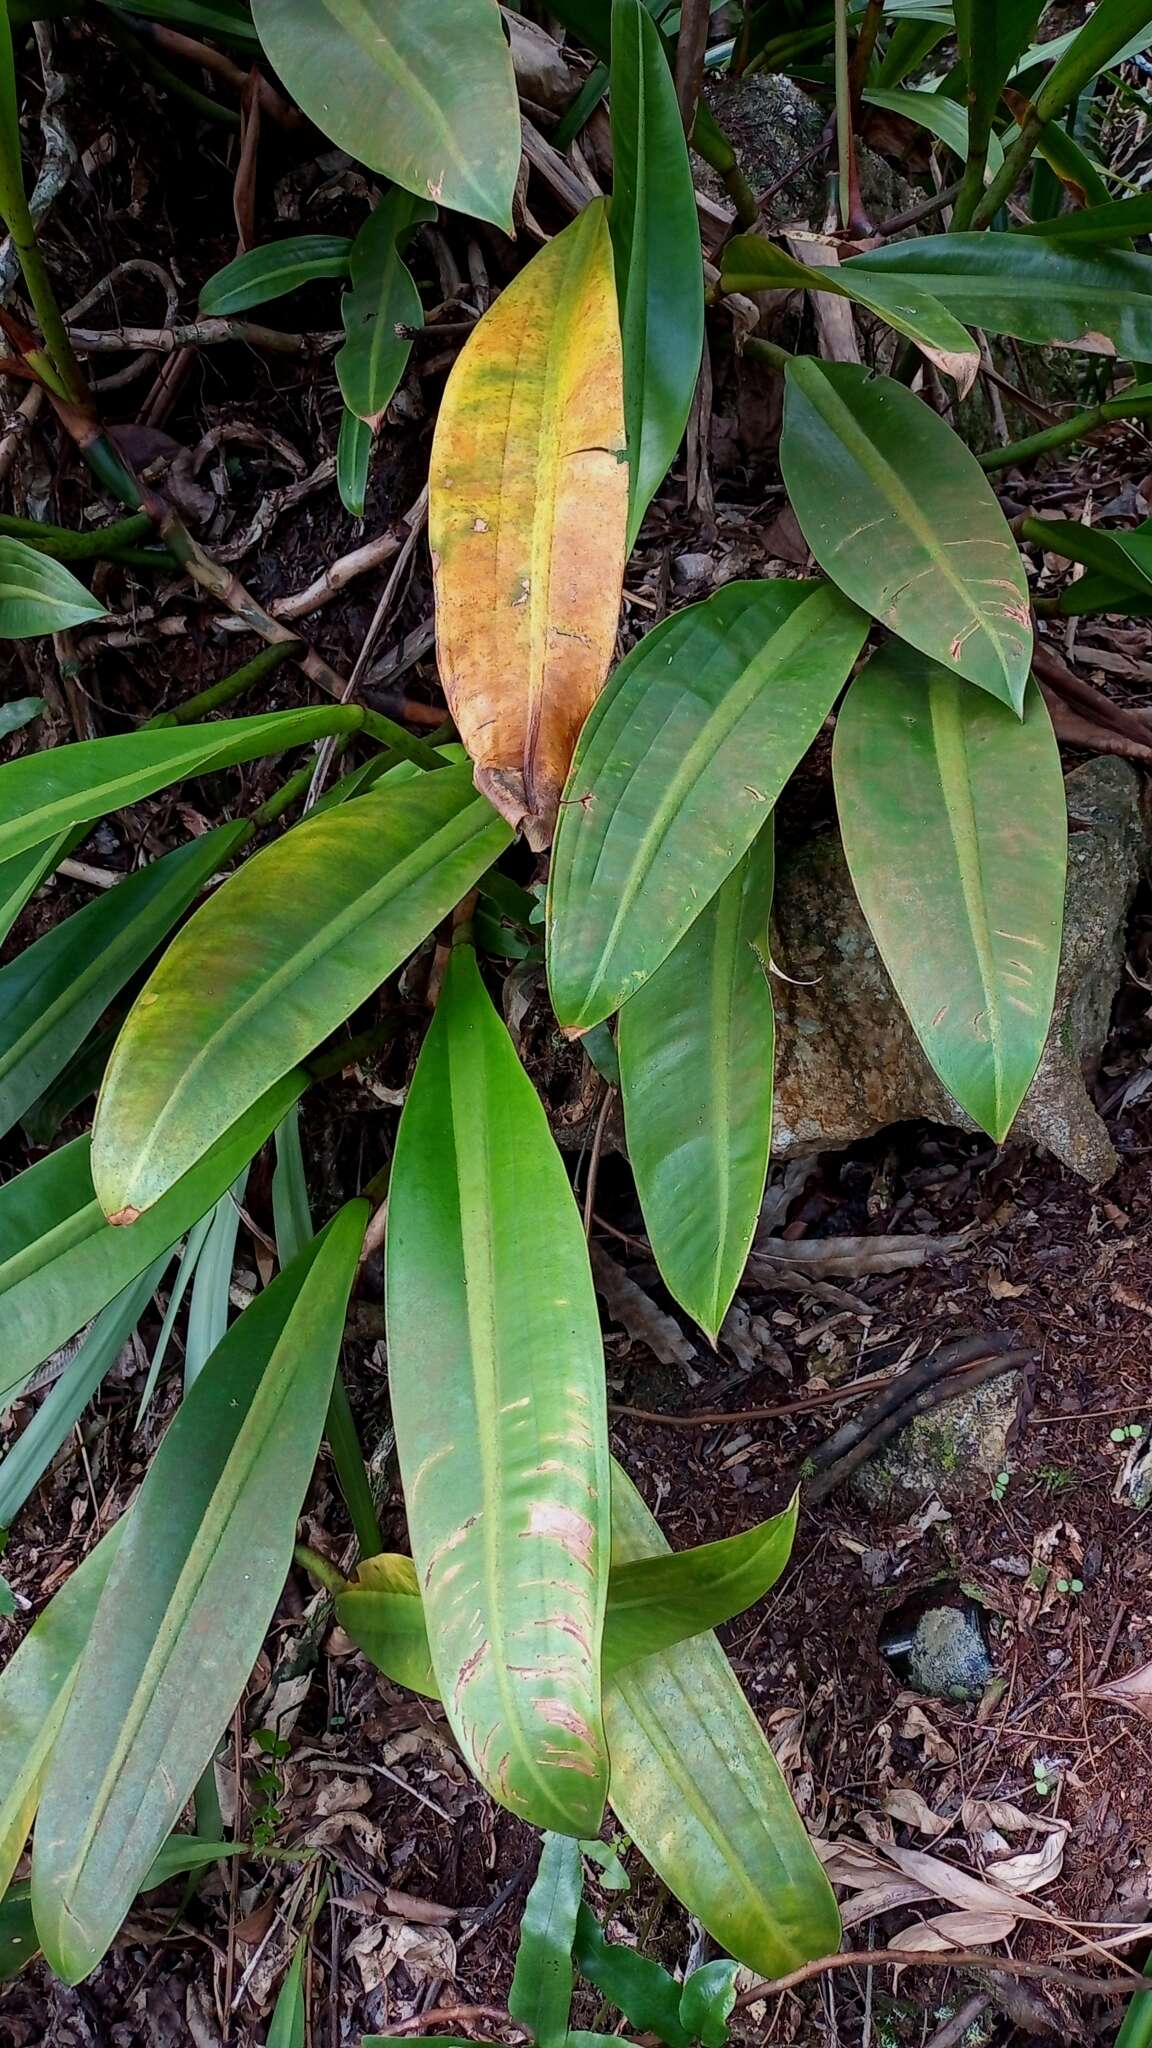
<point x="696" y="1047"/>
<point x="953" y="819"/>
<point x="1050" y="52"/>
<point x="1093" y="593"/>
<point x="228" y="19"/>
<point x="61" y="1262"/>
<point x="613" y="1876"/>
<point x="941" y="116"/>
<point x="281" y="955"/>
<point x="653" y="1603"/>
<point x="353" y="461"/>
<point x="1023" y="285"/>
<point x="707" y="1999"/>
<point x="656" y="244"/>
<point x="286" y="2028"/>
<point x="382" y="299"/>
<point x="912" y="530"/>
<point x="1123" y="556"/>
<point x="677" y="768"/>
<point x="698" y="1789"/>
<point x="21" y="876"/>
<point x="7" y="1598"/>
<point x="991" y="35"/>
<point x="291" y="1215"/>
<point x="1094" y="227"/>
<point x="272" y="270"/>
<point x="428" y="99"/>
<point x="18" y="1943"/>
<point x="45" y="793"/>
<point x="908" y="45"/>
<point x="55" y="990"/>
<point x="752" y="264"/>
<point x="34" y="1689"/>
<point x="24" y="1465"/>
<point x="187" y="1603"/>
<point x="640" y="1988"/>
<point x="39" y="595"/>
<point x="212" y="1280"/>
<point x="1102" y="40"/>
<point x="497" y="1384"/>
<point x="19" y="712"/>
<point x="541" y="1993"/>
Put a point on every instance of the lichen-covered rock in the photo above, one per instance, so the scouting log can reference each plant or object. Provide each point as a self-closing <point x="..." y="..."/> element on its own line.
<point x="847" y="1059"/>
<point x="955" y="1451"/>
<point x="948" y="1658"/>
<point x="771" y="124"/>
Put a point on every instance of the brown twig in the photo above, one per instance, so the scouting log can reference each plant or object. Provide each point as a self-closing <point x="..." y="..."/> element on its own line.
<point x="1088" y="701"/>
<point x="955" y="1959"/>
<point x="211" y="332"/>
<point x="921" y="1403"/>
<point x="691" y="46"/>
<point x="455" y="2015"/>
<point x="897" y="1393"/>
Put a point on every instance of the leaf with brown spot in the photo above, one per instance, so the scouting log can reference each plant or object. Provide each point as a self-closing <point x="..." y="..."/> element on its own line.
<point x="528" y="510"/>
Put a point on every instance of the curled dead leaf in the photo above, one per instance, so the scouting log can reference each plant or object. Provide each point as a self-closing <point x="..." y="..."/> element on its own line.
<point x="1134" y="1691"/>
<point x="954" y="1930"/>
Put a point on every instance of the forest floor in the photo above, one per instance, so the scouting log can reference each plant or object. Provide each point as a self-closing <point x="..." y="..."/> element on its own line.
<point x="427" y="1877"/>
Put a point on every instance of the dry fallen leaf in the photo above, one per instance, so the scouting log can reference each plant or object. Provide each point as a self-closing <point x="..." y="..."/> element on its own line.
<point x="903" y="1803"/>
<point x="977" y="1816"/>
<point x="954" y="1930"/>
<point x="527" y="521"/>
<point x="1134" y="1690"/>
<point x="1033" y="1868"/>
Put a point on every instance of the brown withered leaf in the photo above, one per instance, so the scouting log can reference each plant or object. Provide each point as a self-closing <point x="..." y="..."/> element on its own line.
<point x="528" y="511"/>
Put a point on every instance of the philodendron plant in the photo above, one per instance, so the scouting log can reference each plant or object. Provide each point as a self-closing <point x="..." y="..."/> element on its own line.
<point x="571" y="1650"/>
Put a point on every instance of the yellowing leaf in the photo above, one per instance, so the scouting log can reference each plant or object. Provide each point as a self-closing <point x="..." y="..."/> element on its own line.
<point x="528" y="511"/>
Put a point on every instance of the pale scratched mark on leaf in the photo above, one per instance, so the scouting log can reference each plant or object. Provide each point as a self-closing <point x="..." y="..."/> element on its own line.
<point x="574" y="1532"/>
<point x="561" y="1715"/>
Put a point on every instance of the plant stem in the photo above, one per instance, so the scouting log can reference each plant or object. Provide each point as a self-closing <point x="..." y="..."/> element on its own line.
<point x="843" y="115"/>
<point x="18" y="220"/>
<point x="767" y="352"/>
<point x="102" y="543"/>
<point x="1134" y="404"/>
<point x="318" y="1568"/>
<point x="348" y="1458"/>
<point x="227" y="689"/>
<point x="389" y="734"/>
<point x="282" y="799"/>
<point x="710" y="142"/>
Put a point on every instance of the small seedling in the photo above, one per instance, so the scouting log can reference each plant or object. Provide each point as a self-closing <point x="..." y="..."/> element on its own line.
<point x="1127" y="1433"/>
<point x="1043" y="1781"/>
<point x="1000" y="1486"/>
<point x="1071" y="1586"/>
<point x="268" y="1789"/>
<point x="1055" y="1478"/>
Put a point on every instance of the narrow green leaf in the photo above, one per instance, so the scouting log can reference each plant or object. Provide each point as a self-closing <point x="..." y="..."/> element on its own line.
<point x="497" y="1383"/>
<point x="1122" y="557"/>
<point x="272" y="270"/>
<point x="212" y="1281"/>
<point x="291" y="1215"/>
<point x="21" y="876"/>
<point x="44" y="793"/>
<point x="55" y="990"/>
<point x="656" y="245"/>
<point x="908" y="45"/>
<point x="941" y="116"/>
<point x="541" y="1993"/>
<point x="39" y="595"/>
<point x="953" y="819"/>
<point x="1039" y="291"/>
<point x="991" y="34"/>
<point x="1101" y="41"/>
<point x="382" y="300"/>
<point x="752" y="264"/>
<point x="19" y="712"/>
<point x="24" y="1465"/>
<point x="613" y="1876"/>
<point x="281" y="955"/>
<point x="653" y="1603"/>
<point x="187" y="1603"/>
<point x="184" y="1275"/>
<point x="61" y="1262"/>
<point x="1094" y="227"/>
<point x="912" y="530"/>
<point x="353" y="461"/>
<point x="697" y="1787"/>
<point x="637" y="1986"/>
<point x="286" y="2028"/>
<point x="228" y="19"/>
<point x="696" y="1046"/>
<point x="34" y="1689"/>
<point x="677" y="768"/>
<point x="376" y="77"/>
<point x="1050" y="52"/>
<point x="706" y="2001"/>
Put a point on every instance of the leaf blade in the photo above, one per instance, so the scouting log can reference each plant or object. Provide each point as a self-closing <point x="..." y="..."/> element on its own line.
<point x="914" y="531"/>
<point x="527" y="513"/>
<point x="39" y="595"/>
<point x="952" y="816"/>
<point x="260" y="275"/>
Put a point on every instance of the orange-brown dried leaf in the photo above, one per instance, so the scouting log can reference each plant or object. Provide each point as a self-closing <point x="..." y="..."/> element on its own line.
<point x="528" y="512"/>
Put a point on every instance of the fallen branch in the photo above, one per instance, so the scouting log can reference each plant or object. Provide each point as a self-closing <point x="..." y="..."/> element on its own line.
<point x="1131" y="1984"/>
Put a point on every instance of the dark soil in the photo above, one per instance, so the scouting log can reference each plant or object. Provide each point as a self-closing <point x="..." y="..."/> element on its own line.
<point x="368" y="1773"/>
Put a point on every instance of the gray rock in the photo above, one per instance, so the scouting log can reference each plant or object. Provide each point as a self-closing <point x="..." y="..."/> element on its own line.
<point x="771" y="124"/>
<point x="948" y="1659"/>
<point x="847" y="1060"/>
<point x="954" y="1451"/>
